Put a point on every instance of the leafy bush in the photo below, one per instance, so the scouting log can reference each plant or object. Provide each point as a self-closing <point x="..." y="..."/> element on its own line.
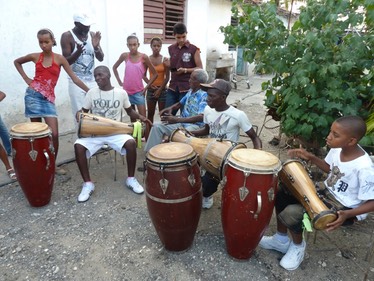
<point x="323" y="67"/>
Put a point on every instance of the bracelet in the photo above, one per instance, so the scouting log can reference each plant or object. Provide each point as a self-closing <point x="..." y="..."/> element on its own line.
<point x="97" y="51"/>
<point x="185" y="70"/>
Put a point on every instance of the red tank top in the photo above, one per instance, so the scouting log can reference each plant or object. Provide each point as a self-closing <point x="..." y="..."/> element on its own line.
<point x="45" y="79"/>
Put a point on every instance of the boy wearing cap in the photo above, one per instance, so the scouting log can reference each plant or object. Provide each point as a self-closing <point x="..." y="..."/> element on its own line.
<point x="224" y="122"/>
<point x="80" y="47"/>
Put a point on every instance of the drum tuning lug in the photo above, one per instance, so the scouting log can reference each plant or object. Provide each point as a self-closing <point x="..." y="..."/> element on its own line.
<point x="202" y="171"/>
<point x="243" y="192"/>
<point x="271" y="194"/>
<point x="47" y="158"/>
<point x="164" y="185"/>
<point x="191" y="180"/>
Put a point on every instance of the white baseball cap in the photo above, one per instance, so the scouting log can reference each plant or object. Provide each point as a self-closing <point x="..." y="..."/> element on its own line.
<point x="83" y="19"/>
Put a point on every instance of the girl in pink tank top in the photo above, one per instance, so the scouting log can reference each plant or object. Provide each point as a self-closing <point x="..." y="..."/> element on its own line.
<point x="136" y="65"/>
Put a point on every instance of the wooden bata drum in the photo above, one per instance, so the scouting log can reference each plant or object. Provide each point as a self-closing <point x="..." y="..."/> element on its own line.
<point x="212" y="152"/>
<point x="250" y="185"/>
<point x="298" y="182"/>
<point x="34" y="161"/>
<point x="91" y="125"/>
<point x="173" y="193"/>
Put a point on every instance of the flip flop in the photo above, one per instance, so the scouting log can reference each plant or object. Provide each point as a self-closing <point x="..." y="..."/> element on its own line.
<point x="12" y="174"/>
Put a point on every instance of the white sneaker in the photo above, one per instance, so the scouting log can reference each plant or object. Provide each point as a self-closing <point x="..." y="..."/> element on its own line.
<point x="87" y="189"/>
<point x="134" y="186"/>
<point x="207" y="202"/>
<point x="294" y="256"/>
<point x="272" y="243"/>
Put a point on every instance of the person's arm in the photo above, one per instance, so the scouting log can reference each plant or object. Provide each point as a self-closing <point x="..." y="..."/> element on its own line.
<point x="302" y="153"/>
<point x="2" y="95"/>
<point x="135" y="115"/>
<point x="257" y="144"/>
<point x="167" y="76"/>
<point x="116" y="65"/>
<point x="96" y="37"/>
<point x="343" y="215"/>
<point x="18" y="64"/>
<point x="67" y="46"/>
<point x="201" y="132"/>
<point x="152" y="70"/>
<point x="167" y="111"/>
<point x="70" y="72"/>
<point x="198" y="62"/>
<point x="175" y="119"/>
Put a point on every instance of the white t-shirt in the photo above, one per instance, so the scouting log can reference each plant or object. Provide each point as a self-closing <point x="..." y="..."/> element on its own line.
<point x="352" y="182"/>
<point x="108" y="104"/>
<point x="226" y="124"/>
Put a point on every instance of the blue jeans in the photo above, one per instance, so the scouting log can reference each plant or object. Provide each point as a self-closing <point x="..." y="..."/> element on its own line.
<point x="173" y="97"/>
<point x="5" y="138"/>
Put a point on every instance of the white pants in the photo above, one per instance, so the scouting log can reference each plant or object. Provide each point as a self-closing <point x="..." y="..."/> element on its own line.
<point x="77" y="95"/>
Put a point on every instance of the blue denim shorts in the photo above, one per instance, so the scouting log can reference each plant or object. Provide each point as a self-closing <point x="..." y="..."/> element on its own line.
<point x="36" y="105"/>
<point x="137" y="98"/>
<point x="151" y="96"/>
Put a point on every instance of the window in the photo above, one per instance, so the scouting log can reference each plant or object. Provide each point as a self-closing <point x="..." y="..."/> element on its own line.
<point x="160" y="16"/>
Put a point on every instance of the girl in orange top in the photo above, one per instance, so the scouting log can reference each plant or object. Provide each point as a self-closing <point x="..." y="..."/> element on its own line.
<point x="157" y="92"/>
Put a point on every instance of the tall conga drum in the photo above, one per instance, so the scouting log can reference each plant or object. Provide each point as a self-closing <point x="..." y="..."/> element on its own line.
<point x="34" y="161"/>
<point x="173" y="193"/>
<point x="249" y="188"/>
<point x="212" y="153"/>
<point x="301" y="186"/>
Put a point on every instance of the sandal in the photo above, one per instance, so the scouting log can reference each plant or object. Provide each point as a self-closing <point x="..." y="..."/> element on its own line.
<point x="11" y="174"/>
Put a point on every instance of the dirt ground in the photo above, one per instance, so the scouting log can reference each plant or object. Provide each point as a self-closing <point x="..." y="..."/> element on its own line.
<point x="111" y="236"/>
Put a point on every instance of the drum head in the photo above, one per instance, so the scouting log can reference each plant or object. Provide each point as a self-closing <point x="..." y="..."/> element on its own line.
<point x="30" y="129"/>
<point x="171" y="152"/>
<point x="254" y="160"/>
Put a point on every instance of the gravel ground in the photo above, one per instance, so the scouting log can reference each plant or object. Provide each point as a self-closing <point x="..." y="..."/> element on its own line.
<point x="111" y="237"/>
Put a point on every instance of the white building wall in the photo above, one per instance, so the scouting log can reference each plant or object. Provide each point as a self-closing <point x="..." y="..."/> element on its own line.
<point x="116" y="19"/>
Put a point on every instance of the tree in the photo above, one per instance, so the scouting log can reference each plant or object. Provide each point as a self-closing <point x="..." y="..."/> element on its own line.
<point x="323" y="67"/>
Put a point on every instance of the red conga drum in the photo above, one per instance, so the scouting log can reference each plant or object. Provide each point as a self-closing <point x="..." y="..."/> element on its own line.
<point x="250" y="186"/>
<point x="173" y="193"/>
<point x="34" y="161"/>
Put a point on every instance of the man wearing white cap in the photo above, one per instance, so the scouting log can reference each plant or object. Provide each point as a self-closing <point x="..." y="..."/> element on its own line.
<point x="80" y="47"/>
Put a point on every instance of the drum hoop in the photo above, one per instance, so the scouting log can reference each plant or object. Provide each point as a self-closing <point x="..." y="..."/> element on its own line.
<point x="172" y="201"/>
<point x="292" y="160"/>
<point x="27" y="137"/>
<point x="175" y="163"/>
<point x="323" y="213"/>
<point x="276" y="170"/>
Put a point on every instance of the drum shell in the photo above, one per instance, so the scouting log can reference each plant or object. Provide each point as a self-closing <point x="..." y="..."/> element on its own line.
<point x="212" y="152"/>
<point x="175" y="213"/>
<point x="298" y="182"/>
<point x="244" y="220"/>
<point x="36" y="178"/>
<point x="91" y="125"/>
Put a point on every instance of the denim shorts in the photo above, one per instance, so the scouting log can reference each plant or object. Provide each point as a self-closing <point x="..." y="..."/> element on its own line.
<point x="36" y="105"/>
<point x="137" y="98"/>
<point x="151" y="96"/>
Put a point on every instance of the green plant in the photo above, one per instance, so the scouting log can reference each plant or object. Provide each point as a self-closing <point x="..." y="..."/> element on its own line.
<point x="323" y="67"/>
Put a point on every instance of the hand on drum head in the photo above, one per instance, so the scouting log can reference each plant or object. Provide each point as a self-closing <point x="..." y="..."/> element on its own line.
<point x="342" y="216"/>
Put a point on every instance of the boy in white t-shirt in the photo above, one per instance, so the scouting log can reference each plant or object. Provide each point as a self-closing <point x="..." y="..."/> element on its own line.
<point x="108" y="102"/>
<point x="349" y="185"/>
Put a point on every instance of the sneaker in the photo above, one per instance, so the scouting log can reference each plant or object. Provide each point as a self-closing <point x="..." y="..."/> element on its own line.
<point x="87" y="189"/>
<point x="134" y="186"/>
<point x="272" y="243"/>
<point x="294" y="256"/>
<point x="207" y="202"/>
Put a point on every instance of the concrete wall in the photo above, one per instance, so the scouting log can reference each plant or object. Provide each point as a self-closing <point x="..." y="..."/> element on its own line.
<point x="116" y="19"/>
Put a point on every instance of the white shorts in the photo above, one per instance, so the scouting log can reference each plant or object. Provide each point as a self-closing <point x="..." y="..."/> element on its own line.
<point x="93" y="144"/>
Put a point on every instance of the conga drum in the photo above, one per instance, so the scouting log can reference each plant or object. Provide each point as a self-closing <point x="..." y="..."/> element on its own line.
<point x="34" y="161"/>
<point x="249" y="188"/>
<point x="173" y="193"/>
<point x="91" y="125"/>
<point x="212" y="152"/>
<point x="299" y="183"/>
